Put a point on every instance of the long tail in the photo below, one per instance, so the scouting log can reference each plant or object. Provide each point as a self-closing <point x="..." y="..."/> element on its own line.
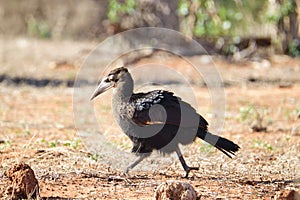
<point x="226" y="146"/>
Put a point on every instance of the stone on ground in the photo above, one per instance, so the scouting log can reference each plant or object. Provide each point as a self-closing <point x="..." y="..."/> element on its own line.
<point x="175" y="190"/>
<point x="22" y="183"/>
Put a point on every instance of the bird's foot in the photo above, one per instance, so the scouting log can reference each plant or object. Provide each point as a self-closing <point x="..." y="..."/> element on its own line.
<point x="188" y="169"/>
<point x="126" y="171"/>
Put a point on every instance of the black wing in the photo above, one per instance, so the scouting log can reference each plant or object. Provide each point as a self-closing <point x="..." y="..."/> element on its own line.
<point x="162" y="107"/>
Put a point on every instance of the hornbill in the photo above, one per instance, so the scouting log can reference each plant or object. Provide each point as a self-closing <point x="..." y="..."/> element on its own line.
<point x="157" y="120"/>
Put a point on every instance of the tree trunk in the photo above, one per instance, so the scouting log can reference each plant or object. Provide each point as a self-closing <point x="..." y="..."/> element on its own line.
<point x="288" y="27"/>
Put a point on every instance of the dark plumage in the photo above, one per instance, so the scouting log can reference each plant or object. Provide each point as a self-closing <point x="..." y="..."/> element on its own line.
<point x="157" y="120"/>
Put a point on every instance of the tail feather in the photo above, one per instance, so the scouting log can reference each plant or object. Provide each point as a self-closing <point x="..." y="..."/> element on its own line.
<point x="226" y="146"/>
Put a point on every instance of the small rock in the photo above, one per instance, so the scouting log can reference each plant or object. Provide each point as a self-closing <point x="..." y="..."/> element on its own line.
<point x="22" y="183"/>
<point x="285" y="85"/>
<point x="293" y="195"/>
<point x="61" y="65"/>
<point x="175" y="190"/>
<point x="257" y="128"/>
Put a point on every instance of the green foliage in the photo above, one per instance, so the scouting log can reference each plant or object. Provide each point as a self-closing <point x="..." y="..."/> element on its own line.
<point x="273" y="16"/>
<point x="220" y="17"/>
<point x="248" y="113"/>
<point x="261" y="144"/>
<point x="41" y="141"/>
<point x="27" y="132"/>
<point x="117" y="9"/>
<point x="206" y="148"/>
<point x="75" y="144"/>
<point x="294" y="49"/>
<point x="72" y="143"/>
<point x="5" y="145"/>
<point x="228" y="20"/>
<point x="38" y="28"/>
<point x="52" y="144"/>
<point x="287" y="138"/>
<point x="286" y="8"/>
<point x="94" y="157"/>
<point x="255" y="117"/>
<point x="183" y="8"/>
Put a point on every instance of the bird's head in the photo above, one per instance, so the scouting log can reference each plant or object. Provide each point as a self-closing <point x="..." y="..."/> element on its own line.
<point x="111" y="80"/>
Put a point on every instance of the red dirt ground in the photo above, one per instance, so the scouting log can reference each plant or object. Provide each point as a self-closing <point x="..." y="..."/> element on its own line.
<point x="37" y="128"/>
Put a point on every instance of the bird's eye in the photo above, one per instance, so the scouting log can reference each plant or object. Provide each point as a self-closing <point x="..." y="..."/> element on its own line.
<point x="106" y="80"/>
<point x="111" y="77"/>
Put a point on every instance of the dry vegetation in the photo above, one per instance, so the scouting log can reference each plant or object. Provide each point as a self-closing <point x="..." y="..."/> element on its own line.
<point x="37" y="128"/>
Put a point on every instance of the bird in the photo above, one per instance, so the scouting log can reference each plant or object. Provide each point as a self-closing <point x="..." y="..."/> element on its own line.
<point x="157" y="120"/>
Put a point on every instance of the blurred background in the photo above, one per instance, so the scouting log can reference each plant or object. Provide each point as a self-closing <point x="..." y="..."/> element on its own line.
<point x="227" y="26"/>
<point x="254" y="45"/>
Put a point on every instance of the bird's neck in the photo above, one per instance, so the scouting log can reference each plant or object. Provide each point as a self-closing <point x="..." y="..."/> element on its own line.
<point x="124" y="89"/>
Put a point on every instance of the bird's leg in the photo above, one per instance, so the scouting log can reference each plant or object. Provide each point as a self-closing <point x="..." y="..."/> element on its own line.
<point x="140" y="157"/>
<point x="186" y="168"/>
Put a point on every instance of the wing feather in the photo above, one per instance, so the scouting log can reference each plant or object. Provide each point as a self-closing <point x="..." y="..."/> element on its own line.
<point x="160" y="107"/>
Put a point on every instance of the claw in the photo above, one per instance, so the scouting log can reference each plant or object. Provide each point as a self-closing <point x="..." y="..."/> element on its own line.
<point x="126" y="171"/>
<point x="188" y="169"/>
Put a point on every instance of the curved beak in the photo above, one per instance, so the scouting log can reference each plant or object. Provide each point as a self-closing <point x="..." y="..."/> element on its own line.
<point x="102" y="87"/>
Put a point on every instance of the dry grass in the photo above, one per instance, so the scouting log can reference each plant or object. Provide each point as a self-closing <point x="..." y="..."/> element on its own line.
<point x="37" y="128"/>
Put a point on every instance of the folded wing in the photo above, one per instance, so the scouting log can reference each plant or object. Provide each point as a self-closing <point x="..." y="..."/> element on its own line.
<point x="162" y="107"/>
